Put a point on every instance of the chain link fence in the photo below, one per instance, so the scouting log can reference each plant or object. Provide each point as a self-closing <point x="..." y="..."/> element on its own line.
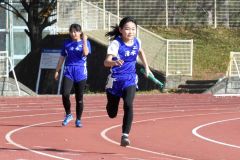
<point x="4" y="68"/>
<point x="99" y="16"/>
<point x="234" y="65"/>
<point x="168" y="56"/>
<point x="170" y="13"/>
<point x="3" y="43"/>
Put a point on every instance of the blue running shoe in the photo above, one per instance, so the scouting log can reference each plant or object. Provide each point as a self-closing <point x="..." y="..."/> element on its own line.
<point x="78" y="123"/>
<point x="67" y="119"/>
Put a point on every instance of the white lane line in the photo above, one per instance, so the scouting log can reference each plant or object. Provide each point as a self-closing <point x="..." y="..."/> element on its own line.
<point x="28" y="110"/>
<point x="42" y="109"/>
<point x="195" y="132"/>
<point x="30" y="115"/>
<point x="9" y="134"/>
<point x="156" y="111"/>
<point x="226" y="95"/>
<point x="43" y="114"/>
<point x="103" y="133"/>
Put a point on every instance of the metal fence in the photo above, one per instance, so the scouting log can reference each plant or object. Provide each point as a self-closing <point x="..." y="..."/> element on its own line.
<point x="4" y="68"/>
<point x="177" y="12"/>
<point x="179" y="57"/>
<point x="161" y="53"/>
<point x="12" y="35"/>
<point x="169" y="56"/>
<point x="234" y="65"/>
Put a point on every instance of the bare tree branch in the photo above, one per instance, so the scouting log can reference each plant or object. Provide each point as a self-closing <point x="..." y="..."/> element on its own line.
<point x="48" y="9"/>
<point x="14" y="11"/>
<point x="25" y="5"/>
<point x="39" y="13"/>
<point x="47" y="23"/>
<point x="27" y="32"/>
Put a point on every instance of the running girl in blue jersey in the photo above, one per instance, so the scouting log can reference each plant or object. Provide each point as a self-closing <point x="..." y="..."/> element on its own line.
<point x="122" y="82"/>
<point x="74" y="53"/>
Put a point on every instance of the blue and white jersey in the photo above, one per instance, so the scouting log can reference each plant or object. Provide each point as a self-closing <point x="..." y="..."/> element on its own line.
<point x="123" y="76"/>
<point x="128" y="53"/>
<point x="73" y="53"/>
<point x="75" y="63"/>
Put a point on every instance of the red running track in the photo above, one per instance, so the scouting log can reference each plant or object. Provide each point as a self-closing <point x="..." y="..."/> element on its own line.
<point x="166" y="127"/>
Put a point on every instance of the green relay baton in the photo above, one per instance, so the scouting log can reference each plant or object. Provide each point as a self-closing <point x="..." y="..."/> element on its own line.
<point x="152" y="78"/>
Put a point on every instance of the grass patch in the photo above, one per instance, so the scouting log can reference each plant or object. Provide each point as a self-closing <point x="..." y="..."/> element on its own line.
<point x="212" y="48"/>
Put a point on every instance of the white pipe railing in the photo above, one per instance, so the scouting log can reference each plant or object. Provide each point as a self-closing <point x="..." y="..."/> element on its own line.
<point x="4" y="72"/>
<point x="157" y="48"/>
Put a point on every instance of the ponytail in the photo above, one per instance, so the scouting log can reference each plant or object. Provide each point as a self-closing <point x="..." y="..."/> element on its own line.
<point x="115" y="29"/>
<point x="114" y="33"/>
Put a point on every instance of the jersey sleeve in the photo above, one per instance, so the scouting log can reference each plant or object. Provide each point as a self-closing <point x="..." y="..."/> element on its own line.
<point x="113" y="48"/>
<point x="139" y="42"/>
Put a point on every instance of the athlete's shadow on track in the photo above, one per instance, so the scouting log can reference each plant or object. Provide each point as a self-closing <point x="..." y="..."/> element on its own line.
<point x="21" y="125"/>
<point x="55" y="150"/>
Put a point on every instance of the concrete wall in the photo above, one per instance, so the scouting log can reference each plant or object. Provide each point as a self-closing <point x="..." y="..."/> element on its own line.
<point x="97" y="73"/>
<point x="8" y="87"/>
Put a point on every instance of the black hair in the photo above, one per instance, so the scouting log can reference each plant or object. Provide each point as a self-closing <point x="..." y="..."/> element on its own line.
<point x="75" y="27"/>
<point x="115" y="29"/>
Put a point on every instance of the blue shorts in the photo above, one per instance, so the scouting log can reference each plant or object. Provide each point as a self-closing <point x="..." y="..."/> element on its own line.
<point x="75" y="73"/>
<point x="116" y="84"/>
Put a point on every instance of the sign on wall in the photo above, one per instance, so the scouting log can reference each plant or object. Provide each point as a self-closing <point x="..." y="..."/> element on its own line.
<point x="49" y="60"/>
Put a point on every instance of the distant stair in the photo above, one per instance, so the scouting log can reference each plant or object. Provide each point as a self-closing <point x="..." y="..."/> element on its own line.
<point x="226" y="86"/>
<point x="196" y="86"/>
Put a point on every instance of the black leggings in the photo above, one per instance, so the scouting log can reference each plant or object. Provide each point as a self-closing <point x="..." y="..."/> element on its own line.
<point x="66" y="90"/>
<point x="112" y="107"/>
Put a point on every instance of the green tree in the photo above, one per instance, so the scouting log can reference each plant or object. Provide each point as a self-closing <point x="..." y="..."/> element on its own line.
<point x="38" y="17"/>
<point x="40" y="14"/>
